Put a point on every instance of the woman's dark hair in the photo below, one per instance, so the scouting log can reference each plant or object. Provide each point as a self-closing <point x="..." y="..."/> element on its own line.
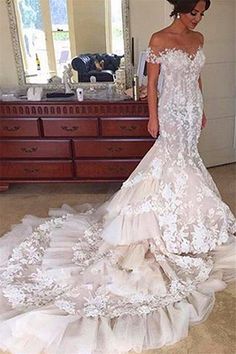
<point x="185" y="6"/>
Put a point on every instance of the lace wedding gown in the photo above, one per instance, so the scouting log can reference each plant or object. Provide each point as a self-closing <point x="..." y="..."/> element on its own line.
<point x="134" y="272"/>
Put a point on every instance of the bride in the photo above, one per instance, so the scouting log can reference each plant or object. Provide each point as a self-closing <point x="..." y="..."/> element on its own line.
<point x="135" y="272"/>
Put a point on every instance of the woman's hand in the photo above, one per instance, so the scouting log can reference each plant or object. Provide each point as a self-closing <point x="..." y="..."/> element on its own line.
<point x="153" y="127"/>
<point x="204" y="121"/>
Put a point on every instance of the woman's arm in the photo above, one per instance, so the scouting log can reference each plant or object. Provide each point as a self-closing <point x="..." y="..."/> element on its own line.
<point x="204" y="120"/>
<point x="201" y="39"/>
<point x="153" y="71"/>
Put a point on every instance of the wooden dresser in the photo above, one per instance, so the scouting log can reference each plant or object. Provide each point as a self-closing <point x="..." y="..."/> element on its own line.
<point x="70" y="141"/>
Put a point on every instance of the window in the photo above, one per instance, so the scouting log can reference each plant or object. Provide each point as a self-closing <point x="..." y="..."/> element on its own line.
<point x="60" y="33"/>
<point x="44" y="37"/>
<point x="114" y="27"/>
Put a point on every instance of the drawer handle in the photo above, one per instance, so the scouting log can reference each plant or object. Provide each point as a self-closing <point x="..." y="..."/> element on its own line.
<point x="29" y="149"/>
<point x="70" y="129"/>
<point x="129" y="128"/>
<point x="114" y="149"/>
<point x="11" y="129"/>
<point x="31" y="170"/>
<point x="116" y="169"/>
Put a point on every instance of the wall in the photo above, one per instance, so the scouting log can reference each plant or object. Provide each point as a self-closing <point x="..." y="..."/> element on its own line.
<point x="217" y="142"/>
<point x="235" y="79"/>
<point x="89" y="24"/>
<point x="147" y="16"/>
<point x="219" y="81"/>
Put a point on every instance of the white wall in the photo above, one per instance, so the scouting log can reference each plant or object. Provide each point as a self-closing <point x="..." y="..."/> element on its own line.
<point x="219" y="82"/>
<point x="89" y="24"/>
<point x="147" y="16"/>
<point x="219" y="74"/>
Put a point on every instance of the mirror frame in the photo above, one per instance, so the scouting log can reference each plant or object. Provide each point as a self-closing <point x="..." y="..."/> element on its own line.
<point x="19" y="60"/>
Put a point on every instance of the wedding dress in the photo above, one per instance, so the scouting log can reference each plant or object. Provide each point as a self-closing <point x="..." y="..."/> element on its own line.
<point x="134" y="272"/>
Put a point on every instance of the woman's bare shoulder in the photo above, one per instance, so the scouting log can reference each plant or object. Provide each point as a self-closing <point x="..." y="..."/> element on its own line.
<point x="199" y="37"/>
<point x="158" y="39"/>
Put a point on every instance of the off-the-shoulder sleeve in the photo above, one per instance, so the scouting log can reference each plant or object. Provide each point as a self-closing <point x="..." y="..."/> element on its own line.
<point x="153" y="55"/>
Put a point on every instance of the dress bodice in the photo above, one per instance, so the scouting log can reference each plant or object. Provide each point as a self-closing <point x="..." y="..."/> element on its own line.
<point x="180" y="102"/>
<point x="180" y="70"/>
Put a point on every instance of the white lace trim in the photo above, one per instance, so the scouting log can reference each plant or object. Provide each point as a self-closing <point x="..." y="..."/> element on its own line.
<point x="137" y="304"/>
<point x="103" y="303"/>
<point x="23" y="287"/>
<point x="155" y="170"/>
<point x="155" y="58"/>
<point x="86" y="251"/>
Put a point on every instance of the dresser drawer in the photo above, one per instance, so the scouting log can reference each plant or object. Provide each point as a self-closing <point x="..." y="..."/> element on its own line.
<point x="112" y="147"/>
<point x="14" y="127"/>
<point x="35" y="149"/>
<point x="93" y="169"/>
<point x="124" y="127"/>
<point x="70" y="127"/>
<point x="35" y="169"/>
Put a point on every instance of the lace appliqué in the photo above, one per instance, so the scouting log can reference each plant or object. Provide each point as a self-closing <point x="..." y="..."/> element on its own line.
<point x="155" y="58"/>
<point x="24" y="287"/>
<point x="151" y="57"/>
<point x="101" y="304"/>
<point x="185" y="275"/>
<point x="86" y="251"/>
<point x="185" y="266"/>
<point x="199" y="233"/>
<point x="186" y="272"/>
<point x="154" y="171"/>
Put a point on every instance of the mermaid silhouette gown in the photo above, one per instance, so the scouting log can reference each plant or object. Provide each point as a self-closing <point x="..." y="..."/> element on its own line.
<point x="134" y="272"/>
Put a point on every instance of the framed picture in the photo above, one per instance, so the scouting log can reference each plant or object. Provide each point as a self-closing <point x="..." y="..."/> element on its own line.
<point x="142" y="68"/>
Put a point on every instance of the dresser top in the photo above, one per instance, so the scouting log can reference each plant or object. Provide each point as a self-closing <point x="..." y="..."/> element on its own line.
<point x="59" y="108"/>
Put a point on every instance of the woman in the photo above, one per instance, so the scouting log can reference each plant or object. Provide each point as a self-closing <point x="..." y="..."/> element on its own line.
<point x="134" y="273"/>
<point x="178" y="35"/>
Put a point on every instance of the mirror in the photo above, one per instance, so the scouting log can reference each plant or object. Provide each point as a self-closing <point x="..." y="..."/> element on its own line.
<point x="90" y="35"/>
